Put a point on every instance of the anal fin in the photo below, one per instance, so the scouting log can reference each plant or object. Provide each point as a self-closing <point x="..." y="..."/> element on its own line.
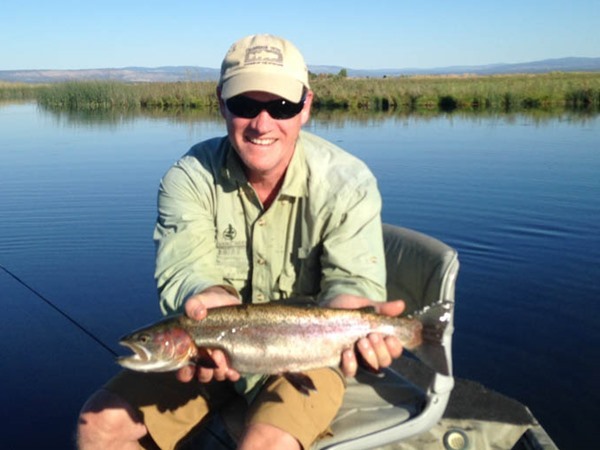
<point x="300" y="381"/>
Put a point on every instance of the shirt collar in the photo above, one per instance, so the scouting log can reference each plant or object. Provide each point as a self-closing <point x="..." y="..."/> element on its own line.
<point x="232" y="170"/>
<point x="294" y="184"/>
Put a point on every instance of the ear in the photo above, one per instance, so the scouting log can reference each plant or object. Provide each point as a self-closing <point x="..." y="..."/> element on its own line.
<point x="222" y="107"/>
<point x="305" y="113"/>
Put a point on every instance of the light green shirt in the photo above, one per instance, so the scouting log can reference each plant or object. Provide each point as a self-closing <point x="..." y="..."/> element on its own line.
<point x="321" y="236"/>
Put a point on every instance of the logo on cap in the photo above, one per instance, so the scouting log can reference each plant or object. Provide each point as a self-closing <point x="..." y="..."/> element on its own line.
<point x="263" y="54"/>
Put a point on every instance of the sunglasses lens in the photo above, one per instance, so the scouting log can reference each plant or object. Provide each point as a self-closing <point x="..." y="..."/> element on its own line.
<point x="248" y="108"/>
<point x="283" y="109"/>
<point x="243" y="106"/>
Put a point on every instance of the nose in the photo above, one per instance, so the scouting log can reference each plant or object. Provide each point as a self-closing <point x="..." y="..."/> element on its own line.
<point x="262" y="122"/>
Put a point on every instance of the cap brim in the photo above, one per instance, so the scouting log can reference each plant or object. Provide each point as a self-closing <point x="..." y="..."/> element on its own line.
<point x="282" y="86"/>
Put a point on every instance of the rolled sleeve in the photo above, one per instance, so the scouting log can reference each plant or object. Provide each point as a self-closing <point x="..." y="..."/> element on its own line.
<point x="353" y="260"/>
<point x="184" y="235"/>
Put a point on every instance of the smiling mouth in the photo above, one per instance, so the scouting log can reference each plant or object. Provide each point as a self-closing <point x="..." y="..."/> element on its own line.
<point x="257" y="141"/>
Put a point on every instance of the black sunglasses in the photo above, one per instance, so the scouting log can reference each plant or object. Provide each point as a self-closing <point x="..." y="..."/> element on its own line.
<point x="279" y="109"/>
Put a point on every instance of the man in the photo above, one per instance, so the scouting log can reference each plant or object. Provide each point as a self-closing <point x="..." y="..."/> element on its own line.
<point x="264" y="214"/>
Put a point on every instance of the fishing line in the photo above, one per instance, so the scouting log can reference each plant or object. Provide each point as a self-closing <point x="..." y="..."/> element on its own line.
<point x="60" y="311"/>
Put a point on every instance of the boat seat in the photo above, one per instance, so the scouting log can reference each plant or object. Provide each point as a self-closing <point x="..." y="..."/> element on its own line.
<point x="389" y="407"/>
<point x="379" y="409"/>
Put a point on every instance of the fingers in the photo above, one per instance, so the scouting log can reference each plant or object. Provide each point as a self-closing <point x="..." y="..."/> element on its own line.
<point x="195" y="308"/>
<point x="349" y="364"/>
<point x="391" y="308"/>
<point x="185" y="374"/>
<point x="380" y="350"/>
<point x="394" y="346"/>
<point x="374" y="352"/>
<point x="348" y="301"/>
<point x="221" y="372"/>
<point x="377" y="352"/>
<point x="203" y="374"/>
<point x="197" y="305"/>
<point x="369" y="357"/>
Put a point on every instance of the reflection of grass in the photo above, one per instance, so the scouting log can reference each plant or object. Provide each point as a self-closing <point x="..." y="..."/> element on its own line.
<point x="18" y="91"/>
<point x="320" y="119"/>
<point x="558" y="90"/>
<point x="112" y="117"/>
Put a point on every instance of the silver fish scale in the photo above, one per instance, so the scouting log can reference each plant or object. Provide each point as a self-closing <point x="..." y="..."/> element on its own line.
<point x="275" y="343"/>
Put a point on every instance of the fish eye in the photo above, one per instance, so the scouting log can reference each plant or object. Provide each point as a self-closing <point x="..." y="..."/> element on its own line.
<point x="144" y="338"/>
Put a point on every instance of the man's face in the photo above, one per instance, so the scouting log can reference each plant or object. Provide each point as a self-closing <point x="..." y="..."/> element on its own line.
<point x="265" y="145"/>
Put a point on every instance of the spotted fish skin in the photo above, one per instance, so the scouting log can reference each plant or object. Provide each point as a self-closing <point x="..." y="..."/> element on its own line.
<point x="273" y="338"/>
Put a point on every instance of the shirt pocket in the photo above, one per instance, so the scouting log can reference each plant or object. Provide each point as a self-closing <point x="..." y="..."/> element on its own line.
<point x="302" y="275"/>
<point x="237" y="277"/>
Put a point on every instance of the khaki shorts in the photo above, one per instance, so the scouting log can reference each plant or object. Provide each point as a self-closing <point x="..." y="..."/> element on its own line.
<point x="171" y="409"/>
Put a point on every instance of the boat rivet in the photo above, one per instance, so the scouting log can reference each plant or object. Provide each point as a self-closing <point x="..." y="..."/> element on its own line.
<point x="456" y="440"/>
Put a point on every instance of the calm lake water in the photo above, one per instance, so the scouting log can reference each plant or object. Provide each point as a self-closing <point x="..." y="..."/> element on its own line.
<point x="518" y="196"/>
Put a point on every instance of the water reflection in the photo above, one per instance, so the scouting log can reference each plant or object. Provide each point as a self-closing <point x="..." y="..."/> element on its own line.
<point x="112" y="118"/>
<point x="516" y="194"/>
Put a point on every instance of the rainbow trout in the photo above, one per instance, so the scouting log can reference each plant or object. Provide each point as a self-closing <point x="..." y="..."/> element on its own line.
<point x="279" y="339"/>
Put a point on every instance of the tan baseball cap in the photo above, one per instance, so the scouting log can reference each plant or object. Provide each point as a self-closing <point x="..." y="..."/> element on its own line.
<point x="263" y="62"/>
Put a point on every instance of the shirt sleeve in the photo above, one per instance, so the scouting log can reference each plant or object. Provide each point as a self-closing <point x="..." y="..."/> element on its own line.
<point x="185" y="235"/>
<point x="353" y="259"/>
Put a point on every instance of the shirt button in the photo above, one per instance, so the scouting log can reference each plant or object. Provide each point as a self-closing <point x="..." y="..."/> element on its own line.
<point x="261" y="222"/>
<point x="261" y="261"/>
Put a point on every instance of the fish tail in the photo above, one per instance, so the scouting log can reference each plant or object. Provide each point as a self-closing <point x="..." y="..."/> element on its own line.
<point x="436" y="320"/>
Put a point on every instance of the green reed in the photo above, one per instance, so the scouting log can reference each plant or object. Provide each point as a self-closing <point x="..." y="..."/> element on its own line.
<point x="448" y="93"/>
<point x="112" y="94"/>
<point x="578" y="91"/>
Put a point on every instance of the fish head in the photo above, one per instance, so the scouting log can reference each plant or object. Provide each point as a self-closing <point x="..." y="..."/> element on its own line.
<point x="162" y="347"/>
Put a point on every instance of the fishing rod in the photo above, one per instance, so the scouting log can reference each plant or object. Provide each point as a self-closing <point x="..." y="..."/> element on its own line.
<point x="83" y="329"/>
<point x="60" y="311"/>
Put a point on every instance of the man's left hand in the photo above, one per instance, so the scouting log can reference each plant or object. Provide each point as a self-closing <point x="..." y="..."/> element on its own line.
<point x="376" y="350"/>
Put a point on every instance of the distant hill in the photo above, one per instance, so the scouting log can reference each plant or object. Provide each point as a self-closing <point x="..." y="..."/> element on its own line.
<point x="193" y="73"/>
<point x="571" y="64"/>
<point x="126" y="74"/>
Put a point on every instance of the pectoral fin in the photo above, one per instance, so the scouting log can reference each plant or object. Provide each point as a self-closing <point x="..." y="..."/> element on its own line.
<point x="205" y="361"/>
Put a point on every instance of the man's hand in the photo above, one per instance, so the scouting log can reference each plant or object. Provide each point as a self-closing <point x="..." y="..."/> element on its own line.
<point x="196" y="307"/>
<point x="376" y="351"/>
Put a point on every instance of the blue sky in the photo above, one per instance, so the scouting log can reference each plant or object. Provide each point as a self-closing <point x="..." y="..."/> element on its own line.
<point x="79" y="34"/>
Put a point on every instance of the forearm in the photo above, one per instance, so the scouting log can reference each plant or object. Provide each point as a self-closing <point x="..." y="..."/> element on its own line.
<point x="184" y="267"/>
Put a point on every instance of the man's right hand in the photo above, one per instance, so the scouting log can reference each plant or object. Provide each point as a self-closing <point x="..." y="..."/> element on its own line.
<point x="196" y="307"/>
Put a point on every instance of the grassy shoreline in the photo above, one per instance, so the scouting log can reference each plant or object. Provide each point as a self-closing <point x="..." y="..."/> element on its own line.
<point x="449" y="93"/>
<point x="556" y="90"/>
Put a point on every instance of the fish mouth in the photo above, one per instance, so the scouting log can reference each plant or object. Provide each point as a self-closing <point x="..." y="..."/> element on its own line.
<point x="140" y="355"/>
<point x="143" y="360"/>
